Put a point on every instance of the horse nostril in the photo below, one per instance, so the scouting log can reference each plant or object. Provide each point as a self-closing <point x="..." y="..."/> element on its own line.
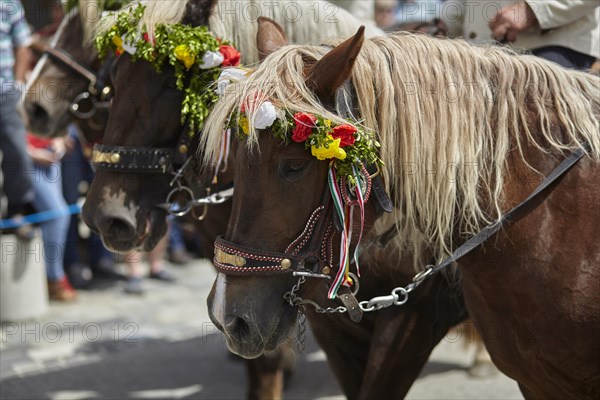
<point x="236" y="325"/>
<point x="118" y="228"/>
<point x="37" y="111"/>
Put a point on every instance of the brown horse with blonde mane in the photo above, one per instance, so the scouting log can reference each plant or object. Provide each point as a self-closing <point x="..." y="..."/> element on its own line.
<point x="466" y="134"/>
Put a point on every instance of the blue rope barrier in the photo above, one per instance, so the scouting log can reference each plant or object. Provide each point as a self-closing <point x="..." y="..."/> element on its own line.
<point x="39" y="217"/>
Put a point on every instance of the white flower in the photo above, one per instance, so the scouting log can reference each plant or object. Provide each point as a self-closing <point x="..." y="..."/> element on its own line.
<point x="265" y="115"/>
<point x="227" y="76"/>
<point x="211" y="59"/>
<point x="129" y="47"/>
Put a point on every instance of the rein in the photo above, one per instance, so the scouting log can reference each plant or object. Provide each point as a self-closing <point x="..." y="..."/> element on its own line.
<point x="399" y="295"/>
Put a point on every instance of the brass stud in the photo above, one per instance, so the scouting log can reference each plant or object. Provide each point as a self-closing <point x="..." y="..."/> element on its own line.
<point x="183" y="149"/>
<point x="286" y="263"/>
<point x="115" y="158"/>
<point x="240" y="261"/>
<point x="231" y="259"/>
<point x="326" y="271"/>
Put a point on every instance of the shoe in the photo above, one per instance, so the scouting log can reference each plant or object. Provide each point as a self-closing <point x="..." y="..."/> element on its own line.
<point x="61" y="290"/>
<point x="162" y="275"/>
<point x="80" y="275"/>
<point x="179" y="257"/>
<point x="134" y="285"/>
<point x="105" y="269"/>
<point x="24" y="232"/>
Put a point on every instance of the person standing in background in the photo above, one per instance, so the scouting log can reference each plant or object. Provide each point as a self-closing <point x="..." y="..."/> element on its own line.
<point x="47" y="185"/>
<point x="15" y="57"/>
<point x="364" y="10"/>
<point x="385" y="13"/>
<point x="563" y="31"/>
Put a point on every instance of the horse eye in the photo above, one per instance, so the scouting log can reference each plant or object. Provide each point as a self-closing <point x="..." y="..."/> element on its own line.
<point x="293" y="169"/>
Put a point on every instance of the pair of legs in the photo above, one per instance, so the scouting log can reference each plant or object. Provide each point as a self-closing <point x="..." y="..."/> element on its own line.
<point x="47" y="186"/>
<point x="16" y="164"/>
<point x="156" y="259"/>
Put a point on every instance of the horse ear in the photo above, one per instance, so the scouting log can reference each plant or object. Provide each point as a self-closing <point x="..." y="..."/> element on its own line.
<point x="331" y="71"/>
<point x="197" y="12"/>
<point x="269" y="37"/>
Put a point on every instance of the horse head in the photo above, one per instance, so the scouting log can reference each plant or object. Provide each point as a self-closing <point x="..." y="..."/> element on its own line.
<point x="144" y="124"/>
<point x="68" y="83"/>
<point x="283" y="217"/>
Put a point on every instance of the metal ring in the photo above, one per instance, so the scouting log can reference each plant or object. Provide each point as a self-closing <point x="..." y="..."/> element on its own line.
<point x="356" y="283"/>
<point x="188" y="206"/>
<point x="400" y="291"/>
<point x="364" y="306"/>
<point x="423" y="274"/>
<point x="75" y="105"/>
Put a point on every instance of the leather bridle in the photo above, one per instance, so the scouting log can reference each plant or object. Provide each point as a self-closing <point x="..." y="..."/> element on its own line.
<point x="99" y="91"/>
<point x="311" y="253"/>
<point x="178" y="161"/>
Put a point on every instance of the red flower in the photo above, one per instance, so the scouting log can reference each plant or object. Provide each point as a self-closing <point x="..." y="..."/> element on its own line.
<point x="231" y="57"/>
<point x="148" y="39"/>
<point x="118" y="52"/>
<point x="304" y="125"/>
<point x="346" y="133"/>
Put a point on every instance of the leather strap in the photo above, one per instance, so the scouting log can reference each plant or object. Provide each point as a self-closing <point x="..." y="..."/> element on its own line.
<point x="132" y="159"/>
<point x="313" y="245"/>
<point x="68" y="60"/>
<point x="488" y="231"/>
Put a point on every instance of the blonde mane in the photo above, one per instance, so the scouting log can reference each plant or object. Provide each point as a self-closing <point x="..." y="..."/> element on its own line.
<point x="236" y="20"/>
<point x="447" y="115"/>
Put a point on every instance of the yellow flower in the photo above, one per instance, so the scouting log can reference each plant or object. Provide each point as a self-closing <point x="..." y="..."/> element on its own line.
<point x="244" y="124"/>
<point x="327" y="123"/>
<point x="182" y="53"/>
<point x="118" y="42"/>
<point x="332" y="151"/>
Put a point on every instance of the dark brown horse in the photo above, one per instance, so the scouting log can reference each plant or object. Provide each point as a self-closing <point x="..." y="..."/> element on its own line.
<point x="68" y="84"/>
<point x="457" y="157"/>
<point x="146" y="112"/>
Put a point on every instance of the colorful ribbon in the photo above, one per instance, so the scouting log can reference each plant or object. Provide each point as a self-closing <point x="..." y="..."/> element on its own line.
<point x="345" y="211"/>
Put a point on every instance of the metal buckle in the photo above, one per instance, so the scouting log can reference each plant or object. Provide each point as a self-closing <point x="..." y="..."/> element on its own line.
<point x="83" y="105"/>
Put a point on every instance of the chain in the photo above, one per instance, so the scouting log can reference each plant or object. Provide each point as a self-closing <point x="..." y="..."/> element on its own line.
<point x="301" y="331"/>
<point x="291" y="297"/>
<point x="397" y="297"/>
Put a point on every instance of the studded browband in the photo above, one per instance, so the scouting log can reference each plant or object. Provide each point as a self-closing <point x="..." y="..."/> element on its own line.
<point x="133" y="159"/>
<point x="143" y="159"/>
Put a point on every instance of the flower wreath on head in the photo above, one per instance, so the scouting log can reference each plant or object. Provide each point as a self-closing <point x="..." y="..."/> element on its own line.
<point x="348" y="146"/>
<point x="195" y="53"/>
